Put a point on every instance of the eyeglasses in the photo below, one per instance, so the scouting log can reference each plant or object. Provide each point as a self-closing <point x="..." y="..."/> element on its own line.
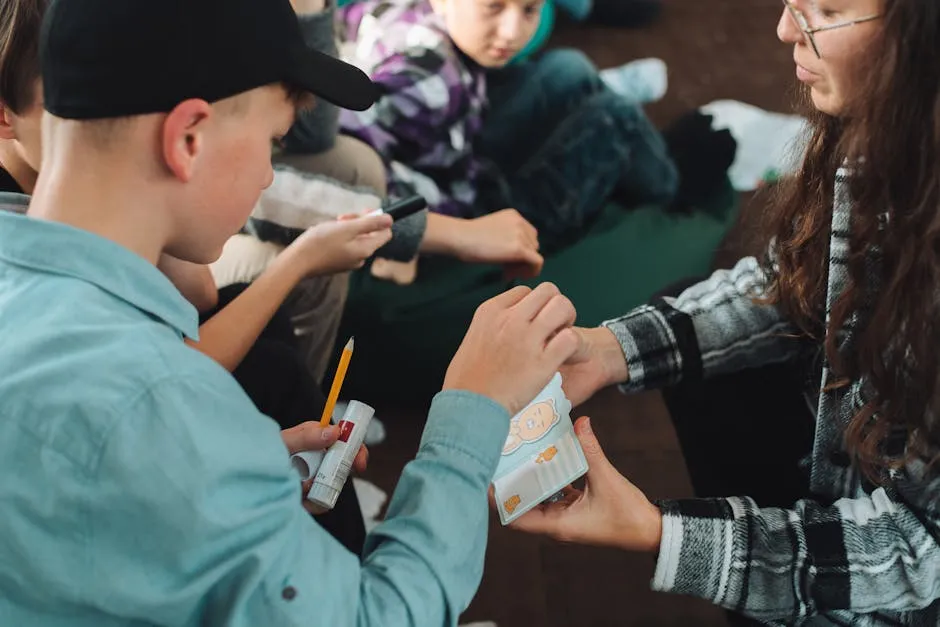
<point x="809" y="32"/>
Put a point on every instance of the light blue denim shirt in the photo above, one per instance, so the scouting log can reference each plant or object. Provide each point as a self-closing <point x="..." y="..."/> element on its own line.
<point x="139" y="485"/>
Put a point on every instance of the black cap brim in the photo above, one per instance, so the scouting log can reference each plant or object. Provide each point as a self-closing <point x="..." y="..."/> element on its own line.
<point x="335" y="81"/>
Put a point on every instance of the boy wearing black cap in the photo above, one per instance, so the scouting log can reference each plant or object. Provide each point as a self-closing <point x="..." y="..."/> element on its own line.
<point x="329" y="247"/>
<point x="141" y="486"/>
<point x="272" y="372"/>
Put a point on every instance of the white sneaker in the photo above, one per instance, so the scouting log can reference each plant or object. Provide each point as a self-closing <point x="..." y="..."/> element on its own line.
<point x="642" y="81"/>
<point x="375" y="432"/>
<point x="371" y="500"/>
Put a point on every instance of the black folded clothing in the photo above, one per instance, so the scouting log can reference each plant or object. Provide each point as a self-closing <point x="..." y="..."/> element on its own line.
<point x="625" y="13"/>
<point x="702" y="156"/>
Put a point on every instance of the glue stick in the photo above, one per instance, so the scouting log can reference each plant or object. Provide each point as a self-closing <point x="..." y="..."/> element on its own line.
<point x="334" y="470"/>
<point x="306" y="463"/>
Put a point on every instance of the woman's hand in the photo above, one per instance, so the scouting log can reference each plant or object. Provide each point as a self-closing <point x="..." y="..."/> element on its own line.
<point x="610" y="511"/>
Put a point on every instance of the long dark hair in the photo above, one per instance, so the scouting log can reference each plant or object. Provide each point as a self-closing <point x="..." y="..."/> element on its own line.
<point x="891" y="132"/>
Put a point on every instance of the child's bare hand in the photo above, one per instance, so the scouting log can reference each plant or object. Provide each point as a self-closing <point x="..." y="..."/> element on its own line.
<point x="341" y="245"/>
<point x="310" y="436"/>
<point x="504" y="237"/>
<point x="610" y="511"/>
<point x="515" y="344"/>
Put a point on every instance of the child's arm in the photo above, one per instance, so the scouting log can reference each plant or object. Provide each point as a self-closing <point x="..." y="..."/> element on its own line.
<point x="295" y="200"/>
<point x="504" y="237"/>
<point x="327" y="248"/>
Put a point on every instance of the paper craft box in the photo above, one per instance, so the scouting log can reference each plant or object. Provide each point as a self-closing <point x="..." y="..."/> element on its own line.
<point x="542" y="454"/>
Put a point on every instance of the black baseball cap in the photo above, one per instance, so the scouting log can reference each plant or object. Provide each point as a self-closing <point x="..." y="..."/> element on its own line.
<point x="115" y="58"/>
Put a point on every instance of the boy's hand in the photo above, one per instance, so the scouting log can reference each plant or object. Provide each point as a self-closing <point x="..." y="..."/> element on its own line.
<point x="504" y="237"/>
<point x="310" y="436"/>
<point x="340" y="245"/>
<point x="515" y="344"/>
<point x="610" y="511"/>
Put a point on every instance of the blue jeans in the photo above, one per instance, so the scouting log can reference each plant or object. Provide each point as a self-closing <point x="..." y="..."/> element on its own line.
<point x="562" y="143"/>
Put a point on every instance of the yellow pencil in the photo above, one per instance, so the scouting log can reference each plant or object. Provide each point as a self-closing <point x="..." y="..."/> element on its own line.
<point x="337" y="383"/>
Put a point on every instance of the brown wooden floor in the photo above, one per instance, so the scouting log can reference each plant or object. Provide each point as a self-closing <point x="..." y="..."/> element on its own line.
<point x="714" y="49"/>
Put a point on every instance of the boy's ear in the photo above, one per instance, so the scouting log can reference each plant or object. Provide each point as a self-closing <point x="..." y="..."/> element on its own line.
<point x="184" y="136"/>
<point x="6" y="122"/>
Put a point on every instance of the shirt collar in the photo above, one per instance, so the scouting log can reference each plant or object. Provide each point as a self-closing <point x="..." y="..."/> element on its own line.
<point x="55" y="248"/>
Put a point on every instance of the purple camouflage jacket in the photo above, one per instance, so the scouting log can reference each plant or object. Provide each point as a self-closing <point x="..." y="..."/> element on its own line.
<point x="431" y="111"/>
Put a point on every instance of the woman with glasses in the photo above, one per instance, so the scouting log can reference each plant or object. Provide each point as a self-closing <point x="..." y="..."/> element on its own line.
<point x="842" y="527"/>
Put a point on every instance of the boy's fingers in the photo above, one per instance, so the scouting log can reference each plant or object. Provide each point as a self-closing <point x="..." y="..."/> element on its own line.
<point x="362" y="459"/>
<point x="371" y="224"/>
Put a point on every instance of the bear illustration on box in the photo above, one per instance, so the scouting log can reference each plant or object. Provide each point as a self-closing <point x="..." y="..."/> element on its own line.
<point x="531" y="425"/>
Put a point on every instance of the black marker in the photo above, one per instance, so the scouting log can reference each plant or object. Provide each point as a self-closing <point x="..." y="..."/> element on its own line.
<point x="403" y="208"/>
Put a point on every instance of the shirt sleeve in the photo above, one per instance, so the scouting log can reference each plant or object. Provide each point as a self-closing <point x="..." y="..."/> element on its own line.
<point x="407" y="119"/>
<point x="407" y="235"/>
<point x="715" y="327"/>
<point x="858" y="556"/>
<point x="199" y="519"/>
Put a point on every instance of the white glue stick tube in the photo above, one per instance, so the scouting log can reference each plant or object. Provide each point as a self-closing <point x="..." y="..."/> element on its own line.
<point x="306" y="463"/>
<point x="333" y="472"/>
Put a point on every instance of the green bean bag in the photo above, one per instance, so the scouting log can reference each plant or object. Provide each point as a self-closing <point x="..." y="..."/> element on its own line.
<point x="406" y="335"/>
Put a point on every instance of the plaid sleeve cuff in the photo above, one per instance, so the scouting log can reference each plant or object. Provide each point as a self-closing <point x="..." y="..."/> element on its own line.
<point x="696" y="549"/>
<point x="650" y="346"/>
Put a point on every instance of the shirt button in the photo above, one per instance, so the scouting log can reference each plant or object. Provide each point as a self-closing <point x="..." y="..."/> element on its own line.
<point x="289" y="593"/>
<point x="840" y="459"/>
